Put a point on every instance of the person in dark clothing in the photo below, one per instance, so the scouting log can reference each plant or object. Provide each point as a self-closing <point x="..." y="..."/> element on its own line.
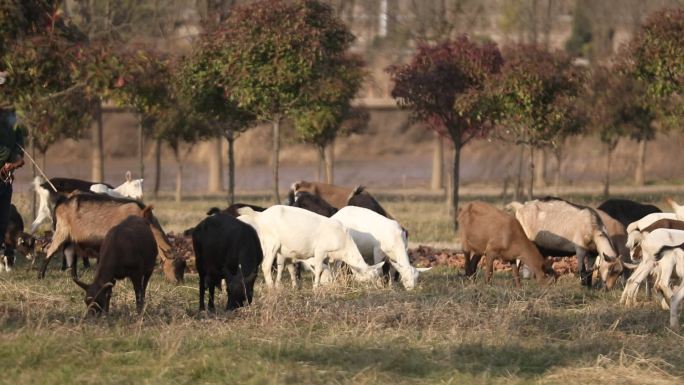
<point x="11" y="158"/>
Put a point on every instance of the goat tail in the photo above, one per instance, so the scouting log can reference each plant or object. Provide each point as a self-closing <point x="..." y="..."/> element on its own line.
<point x="358" y="189"/>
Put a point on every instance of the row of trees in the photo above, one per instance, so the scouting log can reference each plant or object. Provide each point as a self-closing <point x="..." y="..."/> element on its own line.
<point x="536" y="99"/>
<point x="268" y="61"/>
<point x="280" y="60"/>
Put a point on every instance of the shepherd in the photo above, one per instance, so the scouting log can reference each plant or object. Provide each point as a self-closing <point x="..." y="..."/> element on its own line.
<point x="11" y="158"/>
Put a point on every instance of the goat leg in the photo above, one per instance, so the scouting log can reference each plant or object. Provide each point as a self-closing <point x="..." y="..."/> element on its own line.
<point x="674" y="308"/>
<point x="489" y="268"/>
<point x="212" y="285"/>
<point x="516" y="273"/>
<point x="139" y="294"/>
<point x="202" y="289"/>
<point x="58" y="240"/>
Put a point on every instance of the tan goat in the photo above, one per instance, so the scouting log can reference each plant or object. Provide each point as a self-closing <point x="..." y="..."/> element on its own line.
<point x="83" y="220"/>
<point x="489" y="232"/>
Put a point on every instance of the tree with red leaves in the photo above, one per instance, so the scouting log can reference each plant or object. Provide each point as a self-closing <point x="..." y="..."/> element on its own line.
<point x="614" y="108"/>
<point x="444" y="86"/>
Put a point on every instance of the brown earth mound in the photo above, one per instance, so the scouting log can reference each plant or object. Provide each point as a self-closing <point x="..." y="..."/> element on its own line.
<point x="422" y="256"/>
<point x="425" y="256"/>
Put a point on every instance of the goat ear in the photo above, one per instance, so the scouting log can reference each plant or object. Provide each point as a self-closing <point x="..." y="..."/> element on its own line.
<point x="80" y="283"/>
<point x="128" y="176"/>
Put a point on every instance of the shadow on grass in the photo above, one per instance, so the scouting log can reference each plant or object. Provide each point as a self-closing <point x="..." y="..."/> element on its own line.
<point x="470" y="358"/>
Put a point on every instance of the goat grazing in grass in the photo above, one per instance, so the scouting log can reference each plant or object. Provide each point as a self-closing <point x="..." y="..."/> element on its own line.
<point x="128" y="251"/>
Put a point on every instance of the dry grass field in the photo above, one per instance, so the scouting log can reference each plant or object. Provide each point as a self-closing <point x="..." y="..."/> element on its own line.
<point x="448" y="331"/>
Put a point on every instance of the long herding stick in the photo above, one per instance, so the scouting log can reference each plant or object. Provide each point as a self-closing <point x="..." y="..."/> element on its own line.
<point x="38" y="168"/>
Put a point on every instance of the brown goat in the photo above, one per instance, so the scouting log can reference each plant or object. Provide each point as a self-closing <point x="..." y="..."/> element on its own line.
<point x="489" y="232"/>
<point x="128" y="251"/>
<point x="84" y="219"/>
<point x="336" y="196"/>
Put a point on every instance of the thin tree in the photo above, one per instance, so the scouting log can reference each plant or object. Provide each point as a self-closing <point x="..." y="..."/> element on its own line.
<point x="444" y="86"/>
<point x="615" y="110"/>
<point x="144" y="89"/>
<point x="277" y="53"/>
<point x="536" y="92"/>
<point x="329" y="113"/>
<point x="204" y="84"/>
<point x="656" y="57"/>
<point x="177" y="124"/>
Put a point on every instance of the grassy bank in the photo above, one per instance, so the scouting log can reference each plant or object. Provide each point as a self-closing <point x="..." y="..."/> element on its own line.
<point x="448" y="330"/>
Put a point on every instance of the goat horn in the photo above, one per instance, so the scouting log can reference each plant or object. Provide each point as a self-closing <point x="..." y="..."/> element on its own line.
<point x="106" y="285"/>
<point x="80" y="283"/>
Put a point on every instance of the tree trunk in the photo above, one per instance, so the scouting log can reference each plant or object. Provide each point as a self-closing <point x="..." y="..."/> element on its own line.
<point x="34" y="172"/>
<point x="517" y="195"/>
<point x="456" y="179"/>
<point x="230" y="136"/>
<point x="448" y="184"/>
<point x="141" y="148"/>
<point x="275" y="157"/>
<point x="321" y="163"/>
<point x="330" y="163"/>
<point x="215" y="166"/>
<point x="437" y="182"/>
<point x="540" y="170"/>
<point x="639" y="178"/>
<point x="530" y="192"/>
<point x="157" y="166"/>
<point x="97" y="172"/>
<point x="179" y="175"/>
<point x="557" y="178"/>
<point x="606" y="183"/>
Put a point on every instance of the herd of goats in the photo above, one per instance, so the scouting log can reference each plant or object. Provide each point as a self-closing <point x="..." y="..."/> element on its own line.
<point x="620" y="238"/>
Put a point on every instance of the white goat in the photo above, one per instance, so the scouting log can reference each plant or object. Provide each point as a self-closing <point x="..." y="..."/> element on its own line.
<point x="326" y="276"/>
<point x="634" y="234"/>
<point x="654" y="244"/>
<point x="378" y="237"/>
<point x="674" y="307"/>
<point x="131" y="188"/>
<point x="296" y="234"/>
